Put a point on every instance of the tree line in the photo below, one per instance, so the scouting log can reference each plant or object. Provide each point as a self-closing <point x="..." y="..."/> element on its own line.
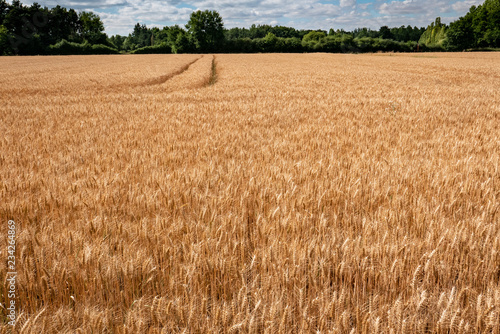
<point x="478" y="29"/>
<point x="30" y="30"/>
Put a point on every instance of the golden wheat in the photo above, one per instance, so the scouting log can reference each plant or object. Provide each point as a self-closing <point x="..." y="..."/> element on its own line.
<point x="252" y="193"/>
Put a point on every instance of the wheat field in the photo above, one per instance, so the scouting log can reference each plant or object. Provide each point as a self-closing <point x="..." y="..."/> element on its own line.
<point x="311" y="193"/>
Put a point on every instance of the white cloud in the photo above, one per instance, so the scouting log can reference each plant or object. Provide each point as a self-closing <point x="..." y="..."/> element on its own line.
<point x="463" y="6"/>
<point x="347" y="3"/>
<point x="364" y="6"/>
<point x="402" y="7"/>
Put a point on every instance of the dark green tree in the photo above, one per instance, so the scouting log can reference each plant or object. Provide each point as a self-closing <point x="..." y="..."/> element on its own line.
<point x="27" y="27"/>
<point x="461" y="35"/>
<point x="160" y="35"/>
<point x="385" y="33"/>
<point x="117" y="41"/>
<point x="364" y="32"/>
<point x="206" y="29"/>
<point x="4" y="41"/>
<point x="141" y="36"/>
<point x="173" y="33"/>
<point x="4" y="6"/>
<point x="92" y="28"/>
<point x="480" y="27"/>
<point x="259" y="31"/>
<point x="15" y="20"/>
<point x="64" y="24"/>
<point x="284" y="32"/>
<point x="183" y="44"/>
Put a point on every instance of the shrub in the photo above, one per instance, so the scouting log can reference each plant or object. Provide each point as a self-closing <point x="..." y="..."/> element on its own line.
<point x="64" y="47"/>
<point x="162" y="48"/>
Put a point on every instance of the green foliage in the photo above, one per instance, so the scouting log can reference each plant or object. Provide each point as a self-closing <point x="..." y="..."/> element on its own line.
<point x="292" y="44"/>
<point x="100" y="49"/>
<point x="67" y="24"/>
<point x="5" y="48"/>
<point x="4" y="6"/>
<point x="173" y="33"/>
<point x="407" y="34"/>
<point x="163" y="48"/>
<point x="314" y="40"/>
<point x="434" y="36"/>
<point x="385" y="33"/>
<point x="271" y="43"/>
<point x="401" y="34"/>
<point x="31" y="29"/>
<point x="160" y="36"/>
<point x="313" y="36"/>
<point x="183" y="43"/>
<point x="368" y="44"/>
<point x="70" y="48"/>
<point x="241" y="45"/>
<point x="140" y="37"/>
<point x="92" y="28"/>
<point x="479" y="28"/>
<point x="117" y="41"/>
<point x="260" y="31"/>
<point x="344" y="42"/>
<point x="178" y="39"/>
<point x="206" y="29"/>
<point x="365" y="32"/>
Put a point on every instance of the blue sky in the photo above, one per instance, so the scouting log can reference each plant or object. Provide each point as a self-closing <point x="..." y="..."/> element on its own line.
<point x="119" y="16"/>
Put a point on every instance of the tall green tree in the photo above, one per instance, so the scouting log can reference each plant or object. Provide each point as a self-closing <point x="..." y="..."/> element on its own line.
<point x="434" y="36"/>
<point x="480" y="27"/>
<point x="92" y="28"/>
<point x="141" y="36"/>
<point x="461" y="35"/>
<point x="207" y="30"/>
<point x="64" y="24"/>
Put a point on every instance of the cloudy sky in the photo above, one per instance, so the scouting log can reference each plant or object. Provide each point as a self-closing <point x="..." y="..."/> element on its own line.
<point x="119" y="16"/>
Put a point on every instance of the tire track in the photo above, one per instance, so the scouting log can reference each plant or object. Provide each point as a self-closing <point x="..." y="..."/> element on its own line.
<point x="213" y="74"/>
<point x="202" y="74"/>
<point x="164" y="78"/>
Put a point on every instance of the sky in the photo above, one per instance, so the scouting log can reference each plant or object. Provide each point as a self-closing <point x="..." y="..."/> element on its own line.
<point x="120" y="16"/>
